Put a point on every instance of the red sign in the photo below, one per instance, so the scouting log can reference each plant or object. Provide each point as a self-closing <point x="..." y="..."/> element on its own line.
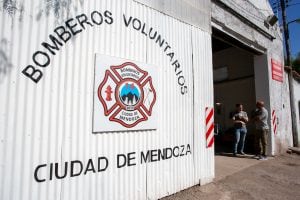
<point x="277" y="70"/>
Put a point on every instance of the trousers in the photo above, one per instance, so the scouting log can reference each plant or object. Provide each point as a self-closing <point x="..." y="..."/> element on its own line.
<point x="261" y="141"/>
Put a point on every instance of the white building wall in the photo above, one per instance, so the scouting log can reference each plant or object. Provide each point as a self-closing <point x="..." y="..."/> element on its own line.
<point x="280" y="103"/>
<point x="263" y="6"/>
<point x="246" y="23"/>
<point x="297" y="106"/>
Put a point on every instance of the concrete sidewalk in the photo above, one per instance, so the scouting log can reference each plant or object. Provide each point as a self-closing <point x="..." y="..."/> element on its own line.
<point x="227" y="165"/>
<point x="247" y="178"/>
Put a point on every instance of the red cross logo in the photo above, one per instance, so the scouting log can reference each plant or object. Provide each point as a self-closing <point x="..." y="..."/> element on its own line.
<point x="127" y="94"/>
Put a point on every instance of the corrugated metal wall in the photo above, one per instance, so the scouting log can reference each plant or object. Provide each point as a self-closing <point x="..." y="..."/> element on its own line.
<point x="193" y="12"/>
<point x="176" y="110"/>
<point x="203" y="97"/>
<point x="51" y="121"/>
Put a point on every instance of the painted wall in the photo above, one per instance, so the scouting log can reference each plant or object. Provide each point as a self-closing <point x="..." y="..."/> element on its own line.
<point x="280" y="100"/>
<point x="256" y="35"/>
<point x="279" y="103"/>
<point x="267" y="41"/>
<point x="263" y="6"/>
<point x="297" y="105"/>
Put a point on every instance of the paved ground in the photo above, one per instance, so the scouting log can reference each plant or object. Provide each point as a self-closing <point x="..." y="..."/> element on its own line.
<point x="246" y="179"/>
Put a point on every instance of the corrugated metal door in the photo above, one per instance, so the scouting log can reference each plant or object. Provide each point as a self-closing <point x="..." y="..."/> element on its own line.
<point x="176" y="110"/>
<point x="203" y="97"/>
<point x="49" y="123"/>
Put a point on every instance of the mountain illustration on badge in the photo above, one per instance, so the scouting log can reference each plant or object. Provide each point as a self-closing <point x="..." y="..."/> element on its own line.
<point x="130" y="94"/>
<point x="127" y="94"/>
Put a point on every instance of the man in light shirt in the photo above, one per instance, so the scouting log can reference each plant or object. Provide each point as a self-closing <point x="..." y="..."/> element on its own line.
<point x="260" y="118"/>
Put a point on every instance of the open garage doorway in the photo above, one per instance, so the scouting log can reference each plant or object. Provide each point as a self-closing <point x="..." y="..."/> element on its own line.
<point x="234" y="83"/>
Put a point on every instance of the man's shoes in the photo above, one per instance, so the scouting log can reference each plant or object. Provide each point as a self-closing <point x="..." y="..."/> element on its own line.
<point x="242" y="153"/>
<point x="263" y="158"/>
<point x="234" y="155"/>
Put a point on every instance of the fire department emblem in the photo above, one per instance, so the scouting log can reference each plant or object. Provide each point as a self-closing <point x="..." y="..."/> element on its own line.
<point x="127" y="94"/>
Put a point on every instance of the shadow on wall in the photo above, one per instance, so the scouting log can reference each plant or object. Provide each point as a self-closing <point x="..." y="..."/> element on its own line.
<point x="5" y="65"/>
<point x="60" y="8"/>
<point x="10" y="6"/>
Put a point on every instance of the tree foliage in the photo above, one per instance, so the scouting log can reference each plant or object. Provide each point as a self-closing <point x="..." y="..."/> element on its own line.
<point x="296" y="63"/>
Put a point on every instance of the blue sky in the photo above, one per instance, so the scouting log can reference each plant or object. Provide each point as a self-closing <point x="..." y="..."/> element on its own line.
<point x="293" y="12"/>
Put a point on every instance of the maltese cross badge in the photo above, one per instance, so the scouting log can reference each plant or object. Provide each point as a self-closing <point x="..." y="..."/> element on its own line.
<point x="127" y="94"/>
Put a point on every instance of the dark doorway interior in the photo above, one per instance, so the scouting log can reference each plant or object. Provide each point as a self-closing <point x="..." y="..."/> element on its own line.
<point x="233" y="67"/>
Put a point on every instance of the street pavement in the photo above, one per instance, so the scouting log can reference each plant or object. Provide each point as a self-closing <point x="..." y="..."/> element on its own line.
<point x="245" y="178"/>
